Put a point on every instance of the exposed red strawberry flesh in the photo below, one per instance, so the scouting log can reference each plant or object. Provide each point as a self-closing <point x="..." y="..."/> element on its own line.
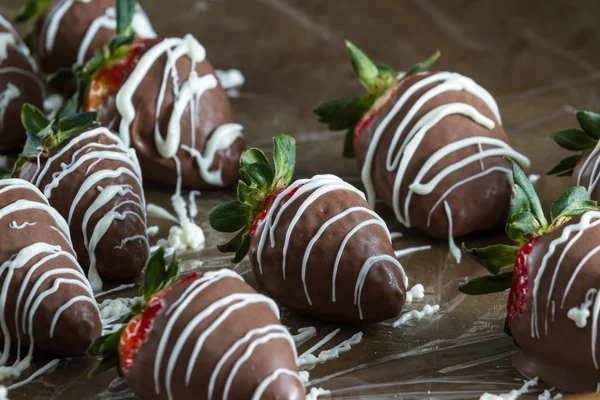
<point x="517" y="299"/>
<point x="137" y="329"/>
<point x="267" y="204"/>
<point x="109" y="79"/>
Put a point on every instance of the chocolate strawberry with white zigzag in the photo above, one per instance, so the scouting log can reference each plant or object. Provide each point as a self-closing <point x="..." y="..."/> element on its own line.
<point x="67" y="33"/>
<point x="95" y="182"/>
<point x="46" y="303"/>
<point x="429" y="144"/>
<point x="203" y="336"/>
<point x="553" y="281"/>
<point x="315" y="244"/>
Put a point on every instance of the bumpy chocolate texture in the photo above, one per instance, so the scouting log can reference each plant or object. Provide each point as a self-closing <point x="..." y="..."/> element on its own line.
<point x="41" y="284"/>
<point x="174" y="112"/>
<point x="71" y="31"/>
<point x="557" y="331"/>
<point x="322" y="251"/>
<point x="20" y="83"/>
<point x="216" y="338"/>
<point x="95" y="183"/>
<point x="434" y="154"/>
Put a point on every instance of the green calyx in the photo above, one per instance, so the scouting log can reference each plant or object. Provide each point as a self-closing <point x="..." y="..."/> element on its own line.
<point x="31" y="12"/>
<point x="158" y="276"/>
<point x="259" y="181"/>
<point x="378" y="79"/>
<point x="579" y="140"/>
<point x="526" y="221"/>
<point x="43" y="134"/>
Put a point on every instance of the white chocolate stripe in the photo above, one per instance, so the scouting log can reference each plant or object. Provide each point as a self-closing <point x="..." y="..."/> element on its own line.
<point x="272" y="378"/>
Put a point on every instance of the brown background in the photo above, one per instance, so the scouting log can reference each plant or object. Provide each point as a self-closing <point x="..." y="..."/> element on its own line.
<point x="538" y="58"/>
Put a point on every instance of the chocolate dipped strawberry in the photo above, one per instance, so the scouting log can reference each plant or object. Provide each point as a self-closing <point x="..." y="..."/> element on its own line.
<point x="20" y="83"/>
<point x="204" y="336"/>
<point x="46" y="303"/>
<point x="582" y="167"/>
<point x="315" y="244"/>
<point x="553" y="281"/>
<point x="429" y="144"/>
<point x="95" y="182"/>
<point x="67" y="33"/>
<point x="163" y="98"/>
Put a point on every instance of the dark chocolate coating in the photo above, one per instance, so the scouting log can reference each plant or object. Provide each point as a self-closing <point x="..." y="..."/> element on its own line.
<point x="113" y="262"/>
<point x="213" y="110"/>
<point x="78" y="325"/>
<point x="383" y="294"/>
<point x="18" y="69"/>
<point x="264" y="360"/>
<point x="563" y="356"/>
<point x="478" y="205"/>
<point x="71" y="31"/>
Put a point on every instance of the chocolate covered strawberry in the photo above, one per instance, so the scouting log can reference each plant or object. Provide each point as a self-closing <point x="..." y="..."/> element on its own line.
<point x="46" y="302"/>
<point x="20" y="83"/>
<point x="95" y="182"/>
<point x="204" y="336"/>
<point x="163" y="98"/>
<point x="553" y="280"/>
<point x="430" y="144"/>
<point x="584" y="166"/>
<point x="315" y="244"/>
<point x="67" y="33"/>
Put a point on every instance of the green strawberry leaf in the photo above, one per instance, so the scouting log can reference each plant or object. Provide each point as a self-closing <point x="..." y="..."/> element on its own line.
<point x="33" y="119"/>
<point x="488" y="284"/>
<point x="125" y="12"/>
<point x="424" y="65"/>
<point x="523" y="227"/>
<point x="524" y="183"/>
<point x="589" y="122"/>
<point x="566" y="166"/>
<point x="108" y="362"/>
<point x="229" y="217"/>
<point x="31" y="11"/>
<point x="248" y="194"/>
<point x="349" y="144"/>
<point x="574" y="194"/>
<point x="78" y="122"/>
<point x="155" y="275"/>
<point x="365" y="69"/>
<point x="242" y="249"/>
<point x="493" y="258"/>
<point x="253" y="155"/>
<point x="573" y="139"/>
<point x="172" y="273"/>
<point x="284" y="156"/>
<point x="233" y="245"/>
<point x="346" y="112"/>
<point x="258" y="174"/>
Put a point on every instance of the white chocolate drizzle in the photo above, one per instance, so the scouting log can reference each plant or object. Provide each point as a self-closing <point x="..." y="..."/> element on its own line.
<point x="6" y="97"/>
<point x="94" y="153"/>
<point x="14" y="225"/>
<point x="223" y="309"/>
<point x="416" y="314"/>
<point x="400" y="155"/>
<point x="308" y="358"/>
<point x="33" y="291"/>
<point x="320" y="185"/>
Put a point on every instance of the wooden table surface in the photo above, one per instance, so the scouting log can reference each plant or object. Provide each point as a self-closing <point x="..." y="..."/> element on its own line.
<point x="538" y="58"/>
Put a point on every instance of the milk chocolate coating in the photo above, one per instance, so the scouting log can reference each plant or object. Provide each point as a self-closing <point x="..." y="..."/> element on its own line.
<point x="20" y="83"/>
<point x="72" y="28"/>
<point x="78" y="325"/>
<point x="383" y="293"/>
<point x="116" y="259"/>
<point x="478" y="205"/>
<point x="562" y="357"/>
<point x="264" y="360"/>
<point x="213" y="109"/>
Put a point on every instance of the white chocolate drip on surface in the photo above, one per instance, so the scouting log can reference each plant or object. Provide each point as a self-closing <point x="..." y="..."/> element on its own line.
<point x="454" y="249"/>
<point x="308" y="358"/>
<point x="399" y="155"/>
<point x="33" y="291"/>
<point x="416" y="314"/>
<point x="94" y="153"/>
<point x="320" y="185"/>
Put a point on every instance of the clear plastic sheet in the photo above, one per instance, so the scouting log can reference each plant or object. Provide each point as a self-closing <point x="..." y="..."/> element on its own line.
<point x="292" y="55"/>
